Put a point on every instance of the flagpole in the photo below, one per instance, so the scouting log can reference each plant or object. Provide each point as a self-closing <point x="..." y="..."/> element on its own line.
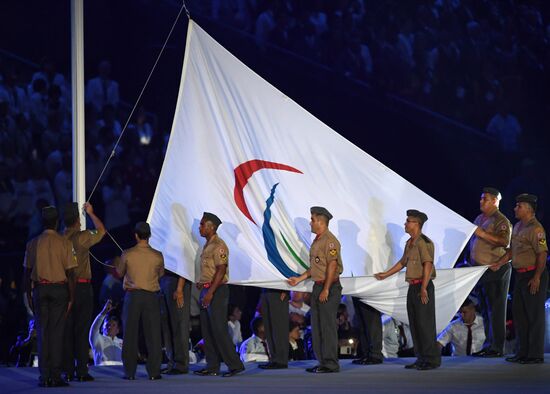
<point x="77" y="69"/>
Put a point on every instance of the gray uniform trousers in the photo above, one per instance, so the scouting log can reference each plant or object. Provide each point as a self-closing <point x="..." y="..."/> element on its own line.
<point x="493" y="288"/>
<point x="77" y="329"/>
<point x="218" y="346"/>
<point x="529" y="315"/>
<point x="276" y="323"/>
<point x="175" y="322"/>
<point x="370" y="329"/>
<point x="422" y="324"/>
<point x="50" y="305"/>
<point x="324" y="327"/>
<point x="141" y="305"/>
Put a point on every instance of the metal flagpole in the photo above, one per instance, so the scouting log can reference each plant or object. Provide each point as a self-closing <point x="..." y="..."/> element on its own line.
<point x="77" y="67"/>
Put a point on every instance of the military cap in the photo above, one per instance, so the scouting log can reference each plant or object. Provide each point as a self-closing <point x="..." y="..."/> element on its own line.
<point x="531" y="199"/>
<point x="491" y="190"/>
<point x="417" y="214"/>
<point x="210" y="217"/>
<point x="70" y="214"/>
<point x="321" y="211"/>
<point x="49" y="213"/>
<point x="143" y="228"/>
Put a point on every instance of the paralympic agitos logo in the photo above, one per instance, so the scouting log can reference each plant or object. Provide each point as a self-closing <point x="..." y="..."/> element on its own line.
<point x="243" y="172"/>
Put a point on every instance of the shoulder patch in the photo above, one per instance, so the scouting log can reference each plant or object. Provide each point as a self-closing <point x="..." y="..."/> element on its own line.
<point x="223" y="255"/>
<point x="333" y="252"/>
<point x="331" y="245"/>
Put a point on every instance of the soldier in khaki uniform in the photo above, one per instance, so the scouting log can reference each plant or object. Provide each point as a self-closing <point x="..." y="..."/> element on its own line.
<point x="325" y="268"/>
<point x="49" y="276"/>
<point x="79" y="320"/>
<point x="488" y="245"/>
<point x="528" y="253"/>
<point x="213" y="299"/>
<point x="418" y="257"/>
<point x="142" y="266"/>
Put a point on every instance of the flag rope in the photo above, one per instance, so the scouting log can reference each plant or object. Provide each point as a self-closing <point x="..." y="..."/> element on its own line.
<point x="113" y="152"/>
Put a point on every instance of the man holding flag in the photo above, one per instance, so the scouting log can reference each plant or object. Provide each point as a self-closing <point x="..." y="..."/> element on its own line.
<point x="418" y="257"/>
<point x="325" y="269"/>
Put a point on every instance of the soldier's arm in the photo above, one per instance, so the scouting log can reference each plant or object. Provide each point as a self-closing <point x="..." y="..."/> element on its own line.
<point x="501" y="238"/>
<point x="504" y="259"/>
<point x="294" y="280"/>
<point x="71" y="280"/>
<point x="98" y="224"/>
<point x="330" y="274"/>
<point x="218" y="278"/>
<point x="538" y="240"/>
<point x="120" y="265"/>
<point x="396" y="268"/>
<point x="178" y="294"/>
<point x="28" y="287"/>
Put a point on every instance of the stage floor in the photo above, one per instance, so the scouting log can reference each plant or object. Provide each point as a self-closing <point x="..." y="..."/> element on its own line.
<point x="456" y="375"/>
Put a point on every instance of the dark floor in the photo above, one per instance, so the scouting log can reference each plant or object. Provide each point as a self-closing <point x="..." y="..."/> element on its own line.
<point x="457" y="375"/>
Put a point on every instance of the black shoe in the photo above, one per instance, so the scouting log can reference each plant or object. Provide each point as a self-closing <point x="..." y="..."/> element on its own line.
<point x="320" y="369"/>
<point x="157" y="377"/>
<point x="426" y="366"/>
<point x="514" y="359"/>
<point x="313" y="369"/>
<point x="273" y="366"/>
<point x="129" y="377"/>
<point x="206" y="372"/>
<point x="359" y="361"/>
<point x="44" y="382"/>
<point x="371" y="361"/>
<point x="84" y="378"/>
<point x="232" y="372"/>
<point x="412" y="366"/>
<point x="173" y="371"/>
<point x="491" y="354"/>
<point x="531" y="360"/>
<point x="58" y="383"/>
<point x="481" y="353"/>
<point x="67" y="377"/>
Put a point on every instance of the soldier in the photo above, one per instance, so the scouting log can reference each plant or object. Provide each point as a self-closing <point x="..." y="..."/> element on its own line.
<point x="49" y="276"/>
<point x="275" y="314"/>
<point x="418" y="257"/>
<point x="79" y="320"/>
<point x="213" y="299"/>
<point x="528" y="253"/>
<point x="176" y="310"/>
<point x="488" y="245"/>
<point x="325" y="269"/>
<point x="141" y="266"/>
<point x="370" y="338"/>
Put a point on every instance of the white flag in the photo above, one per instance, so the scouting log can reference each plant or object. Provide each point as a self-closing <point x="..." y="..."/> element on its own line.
<point x="243" y="150"/>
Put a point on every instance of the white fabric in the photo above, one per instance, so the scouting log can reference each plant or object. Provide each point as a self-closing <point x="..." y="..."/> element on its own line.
<point x="227" y="115"/>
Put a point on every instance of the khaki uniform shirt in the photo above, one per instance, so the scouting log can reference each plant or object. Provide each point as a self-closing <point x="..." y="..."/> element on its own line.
<point x="323" y="250"/>
<point x="214" y="253"/>
<point x="48" y="256"/>
<point x="82" y="242"/>
<point x="483" y="252"/>
<point x="142" y="266"/>
<point x="417" y="253"/>
<point x="527" y="241"/>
